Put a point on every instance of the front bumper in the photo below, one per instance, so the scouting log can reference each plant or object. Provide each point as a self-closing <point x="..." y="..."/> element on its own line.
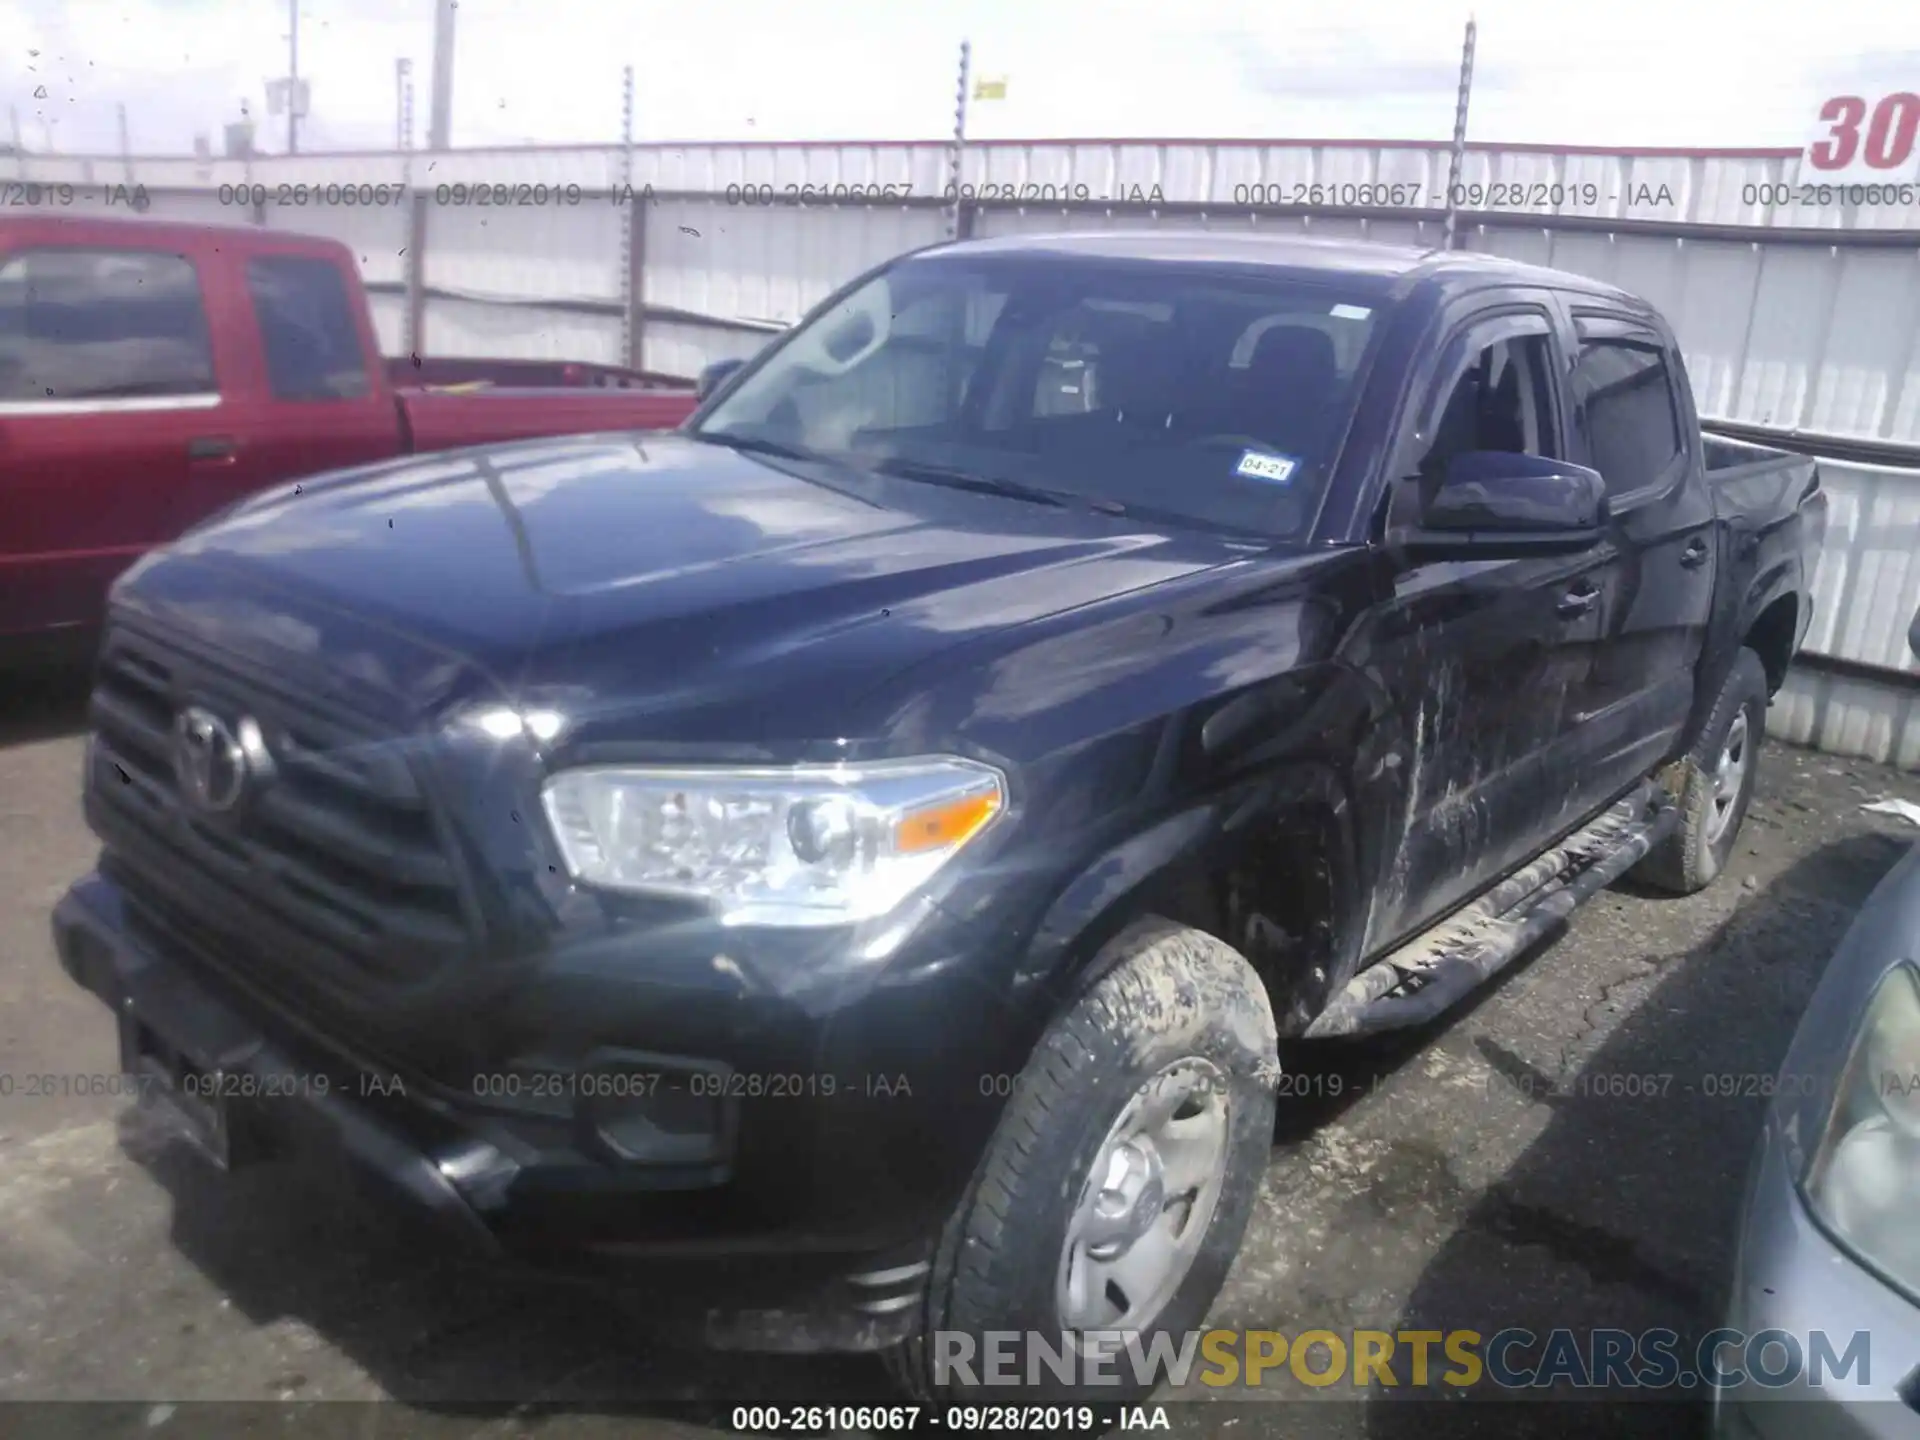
<point x="1791" y="1277"/>
<point x="834" y="1258"/>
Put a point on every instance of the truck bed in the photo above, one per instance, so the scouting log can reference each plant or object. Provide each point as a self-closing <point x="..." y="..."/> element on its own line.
<point x="435" y="371"/>
<point x="1757" y="487"/>
<point x="1772" y="521"/>
<point x="1725" y="455"/>
<point x="446" y="419"/>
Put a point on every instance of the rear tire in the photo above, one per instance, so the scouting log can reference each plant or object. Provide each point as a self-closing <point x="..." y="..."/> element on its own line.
<point x="1717" y="786"/>
<point x="1179" y="1023"/>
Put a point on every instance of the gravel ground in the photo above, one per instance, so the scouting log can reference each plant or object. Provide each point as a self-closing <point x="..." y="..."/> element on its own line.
<point x="1489" y="1172"/>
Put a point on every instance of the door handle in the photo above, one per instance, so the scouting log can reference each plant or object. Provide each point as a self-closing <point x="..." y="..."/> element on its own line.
<point x="211" y="447"/>
<point x="1695" y="555"/>
<point x="1579" y="600"/>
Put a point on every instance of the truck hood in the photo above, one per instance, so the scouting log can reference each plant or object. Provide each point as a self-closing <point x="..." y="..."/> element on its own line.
<point x="660" y="580"/>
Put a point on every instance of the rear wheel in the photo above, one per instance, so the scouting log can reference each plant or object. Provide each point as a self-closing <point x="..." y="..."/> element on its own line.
<point x="1117" y="1186"/>
<point x="1716" y="785"/>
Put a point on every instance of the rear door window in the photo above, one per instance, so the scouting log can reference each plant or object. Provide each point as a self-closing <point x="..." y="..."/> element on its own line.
<point x="102" y="325"/>
<point x="1623" y="391"/>
<point x="307" y="328"/>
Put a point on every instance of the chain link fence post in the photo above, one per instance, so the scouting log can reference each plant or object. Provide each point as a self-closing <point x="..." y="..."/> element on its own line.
<point x="1459" y="140"/>
<point x="959" y="214"/>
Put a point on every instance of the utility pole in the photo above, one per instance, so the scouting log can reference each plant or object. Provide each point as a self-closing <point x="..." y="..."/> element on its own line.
<point x="1459" y="137"/>
<point x="126" y="145"/>
<point x="293" y="77"/>
<point x="19" y="145"/>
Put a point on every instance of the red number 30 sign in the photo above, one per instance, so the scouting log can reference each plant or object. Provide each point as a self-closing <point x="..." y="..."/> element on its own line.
<point x="1867" y="141"/>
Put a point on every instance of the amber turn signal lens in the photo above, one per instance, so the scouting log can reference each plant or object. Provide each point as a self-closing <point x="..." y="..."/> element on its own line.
<point x="939" y="827"/>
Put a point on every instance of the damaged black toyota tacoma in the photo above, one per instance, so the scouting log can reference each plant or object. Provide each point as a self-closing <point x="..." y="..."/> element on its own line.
<point x="850" y="863"/>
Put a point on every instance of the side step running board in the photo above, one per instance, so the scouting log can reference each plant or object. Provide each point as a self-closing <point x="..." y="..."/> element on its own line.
<point x="1438" y="967"/>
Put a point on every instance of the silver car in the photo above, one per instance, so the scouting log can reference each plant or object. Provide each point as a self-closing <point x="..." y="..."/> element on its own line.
<point x="1830" y="1242"/>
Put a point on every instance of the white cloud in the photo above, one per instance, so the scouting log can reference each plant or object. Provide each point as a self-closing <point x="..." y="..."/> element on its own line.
<point x="1632" y="72"/>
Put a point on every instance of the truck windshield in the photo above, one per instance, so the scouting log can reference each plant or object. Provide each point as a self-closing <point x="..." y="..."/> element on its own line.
<point x="1185" y="391"/>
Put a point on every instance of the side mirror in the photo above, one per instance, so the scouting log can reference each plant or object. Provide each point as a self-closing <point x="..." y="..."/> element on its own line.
<point x="1491" y="503"/>
<point x="1913" y="635"/>
<point x="714" y="376"/>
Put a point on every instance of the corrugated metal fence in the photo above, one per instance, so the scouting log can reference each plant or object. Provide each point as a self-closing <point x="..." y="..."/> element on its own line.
<point x="1856" y="690"/>
<point x="1798" y="304"/>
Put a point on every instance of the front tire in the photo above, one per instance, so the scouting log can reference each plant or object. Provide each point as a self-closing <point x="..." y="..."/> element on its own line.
<point x="1717" y="785"/>
<point x="1118" y="1184"/>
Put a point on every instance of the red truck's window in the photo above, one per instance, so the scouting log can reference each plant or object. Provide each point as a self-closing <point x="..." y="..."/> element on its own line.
<point x="307" y="328"/>
<point x="101" y="325"/>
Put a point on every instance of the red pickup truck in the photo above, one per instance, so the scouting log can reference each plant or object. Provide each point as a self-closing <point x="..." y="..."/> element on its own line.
<point x="150" y="373"/>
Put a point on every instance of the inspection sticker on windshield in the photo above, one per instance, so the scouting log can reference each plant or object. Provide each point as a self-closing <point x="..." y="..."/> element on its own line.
<point x="1257" y="465"/>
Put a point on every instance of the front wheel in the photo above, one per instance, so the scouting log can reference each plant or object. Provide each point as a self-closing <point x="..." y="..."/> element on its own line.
<point x="1716" y="785"/>
<point x="1115" y="1191"/>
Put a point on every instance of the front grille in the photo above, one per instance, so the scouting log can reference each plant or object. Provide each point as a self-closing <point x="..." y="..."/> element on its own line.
<point x="333" y="874"/>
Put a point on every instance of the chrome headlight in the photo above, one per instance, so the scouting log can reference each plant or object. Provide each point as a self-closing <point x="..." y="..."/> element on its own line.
<point x="799" y="845"/>
<point x="1865" y="1179"/>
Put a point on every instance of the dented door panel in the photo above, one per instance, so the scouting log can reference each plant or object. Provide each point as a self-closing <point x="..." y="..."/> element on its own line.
<point x="1488" y="681"/>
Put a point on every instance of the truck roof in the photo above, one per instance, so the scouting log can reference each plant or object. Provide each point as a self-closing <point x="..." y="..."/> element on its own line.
<point x="66" y="227"/>
<point x="1379" y="268"/>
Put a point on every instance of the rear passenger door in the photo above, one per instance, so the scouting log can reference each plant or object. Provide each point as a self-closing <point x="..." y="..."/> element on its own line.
<point x="108" y="395"/>
<point x="1632" y="423"/>
<point x="311" y="399"/>
<point x="1488" y="662"/>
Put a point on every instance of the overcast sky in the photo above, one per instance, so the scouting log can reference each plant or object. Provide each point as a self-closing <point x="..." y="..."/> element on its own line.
<point x="1623" y="72"/>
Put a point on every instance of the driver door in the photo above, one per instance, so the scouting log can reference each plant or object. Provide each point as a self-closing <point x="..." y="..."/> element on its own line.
<point x="1487" y="662"/>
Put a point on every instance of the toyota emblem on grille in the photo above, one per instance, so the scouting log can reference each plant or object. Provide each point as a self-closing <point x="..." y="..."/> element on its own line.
<point x="209" y="760"/>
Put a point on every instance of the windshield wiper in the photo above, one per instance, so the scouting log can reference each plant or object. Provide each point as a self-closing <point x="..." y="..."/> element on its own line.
<point x="925" y="470"/>
<point x="757" y="445"/>
<point x="990" y="484"/>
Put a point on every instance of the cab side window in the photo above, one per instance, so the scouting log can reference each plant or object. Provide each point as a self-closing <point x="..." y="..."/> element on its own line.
<point x="306" y="328"/>
<point x="1624" y="404"/>
<point x="101" y="325"/>
<point x="1503" y="401"/>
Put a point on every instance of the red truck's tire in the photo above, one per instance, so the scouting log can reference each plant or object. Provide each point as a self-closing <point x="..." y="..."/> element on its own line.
<point x="1713" y="799"/>
<point x="1174" y="996"/>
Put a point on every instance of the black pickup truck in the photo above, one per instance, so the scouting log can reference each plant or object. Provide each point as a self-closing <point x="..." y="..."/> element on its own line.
<point x="854" y="860"/>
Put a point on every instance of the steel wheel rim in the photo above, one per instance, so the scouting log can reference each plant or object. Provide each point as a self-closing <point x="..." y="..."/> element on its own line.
<point x="1728" y="775"/>
<point x="1148" y="1199"/>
